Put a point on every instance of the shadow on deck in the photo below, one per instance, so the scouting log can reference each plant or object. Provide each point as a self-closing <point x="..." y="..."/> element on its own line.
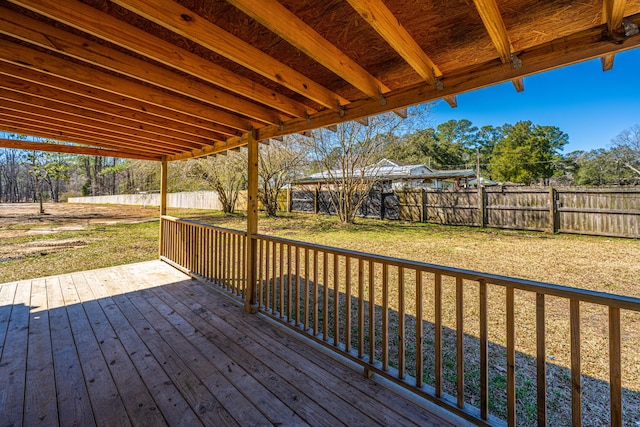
<point x="144" y="344"/>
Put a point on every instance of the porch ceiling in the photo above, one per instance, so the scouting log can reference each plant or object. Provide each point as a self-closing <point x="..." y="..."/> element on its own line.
<point x="147" y="79"/>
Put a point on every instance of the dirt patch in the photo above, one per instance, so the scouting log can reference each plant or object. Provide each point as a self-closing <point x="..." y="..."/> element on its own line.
<point x="18" y="251"/>
<point x="25" y="215"/>
<point x="20" y="222"/>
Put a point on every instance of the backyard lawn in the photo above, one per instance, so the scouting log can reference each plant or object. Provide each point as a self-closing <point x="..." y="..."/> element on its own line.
<point x="80" y="237"/>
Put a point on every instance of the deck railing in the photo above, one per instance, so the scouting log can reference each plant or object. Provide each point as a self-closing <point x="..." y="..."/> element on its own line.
<point x="390" y="315"/>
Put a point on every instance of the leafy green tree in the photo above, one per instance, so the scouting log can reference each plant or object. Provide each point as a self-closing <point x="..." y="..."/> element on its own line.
<point x="527" y="152"/>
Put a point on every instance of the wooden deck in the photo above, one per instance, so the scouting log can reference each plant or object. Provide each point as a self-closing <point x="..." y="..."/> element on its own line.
<point x="142" y="344"/>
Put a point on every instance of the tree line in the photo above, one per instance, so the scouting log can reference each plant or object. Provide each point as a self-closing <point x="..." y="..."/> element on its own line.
<point x="521" y="153"/>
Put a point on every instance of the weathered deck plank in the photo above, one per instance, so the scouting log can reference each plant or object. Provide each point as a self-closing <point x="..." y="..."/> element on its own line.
<point x="144" y="344"/>
<point x="40" y="393"/>
<point x="13" y="365"/>
<point x="74" y="406"/>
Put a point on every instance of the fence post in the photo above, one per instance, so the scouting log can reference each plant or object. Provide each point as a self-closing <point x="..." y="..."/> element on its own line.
<point x="381" y="204"/>
<point x="482" y="218"/>
<point x="553" y="211"/>
<point x="423" y="208"/>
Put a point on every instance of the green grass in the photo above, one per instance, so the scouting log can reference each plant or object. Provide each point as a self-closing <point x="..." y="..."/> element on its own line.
<point x="107" y="245"/>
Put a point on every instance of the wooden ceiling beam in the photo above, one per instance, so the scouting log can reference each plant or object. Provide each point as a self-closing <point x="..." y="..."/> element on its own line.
<point x="376" y="13"/>
<point x="518" y="84"/>
<point x="81" y="122"/>
<point x="612" y="15"/>
<point x="165" y="114"/>
<point x="92" y="21"/>
<point x="184" y="22"/>
<point x="45" y="36"/>
<point x="497" y="30"/>
<point x="101" y="138"/>
<point x="43" y="132"/>
<point x="18" y="54"/>
<point x="582" y="46"/>
<point x="30" y="101"/>
<point x="40" y="94"/>
<point x="71" y="149"/>
<point x="494" y="24"/>
<point x="452" y="100"/>
<point x="278" y="19"/>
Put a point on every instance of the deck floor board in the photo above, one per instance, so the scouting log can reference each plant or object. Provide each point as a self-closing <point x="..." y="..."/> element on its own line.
<point x="143" y="344"/>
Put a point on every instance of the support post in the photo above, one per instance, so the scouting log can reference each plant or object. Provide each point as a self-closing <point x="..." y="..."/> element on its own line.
<point x="252" y="222"/>
<point x="163" y="200"/>
<point x="289" y="198"/>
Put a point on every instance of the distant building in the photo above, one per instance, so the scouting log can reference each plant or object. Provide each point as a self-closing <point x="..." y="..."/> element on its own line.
<point x="393" y="175"/>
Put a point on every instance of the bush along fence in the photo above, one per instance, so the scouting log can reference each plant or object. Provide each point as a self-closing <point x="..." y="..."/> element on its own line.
<point x="600" y="212"/>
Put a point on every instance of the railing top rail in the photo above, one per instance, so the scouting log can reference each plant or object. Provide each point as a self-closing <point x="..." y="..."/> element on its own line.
<point x="200" y="224"/>
<point x="602" y="298"/>
<point x="595" y="297"/>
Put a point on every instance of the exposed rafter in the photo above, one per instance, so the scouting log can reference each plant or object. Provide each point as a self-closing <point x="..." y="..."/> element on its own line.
<point x="40" y="88"/>
<point x="30" y="102"/>
<point x="57" y="40"/>
<point x="452" y="100"/>
<point x="497" y="30"/>
<point x="190" y="78"/>
<point x="585" y="45"/>
<point x="281" y="21"/>
<point x="191" y="26"/>
<point x="376" y="13"/>
<point x="494" y="24"/>
<point x="79" y="121"/>
<point x="612" y="15"/>
<point x="70" y="149"/>
<point x="101" y="25"/>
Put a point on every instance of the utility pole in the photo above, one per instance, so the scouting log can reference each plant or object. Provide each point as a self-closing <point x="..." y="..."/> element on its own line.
<point x="478" y="167"/>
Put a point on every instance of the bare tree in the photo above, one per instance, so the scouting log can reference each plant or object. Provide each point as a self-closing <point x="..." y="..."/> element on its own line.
<point x="350" y="160"/>
<point x="226" y="174"/>
<point x="280" y="163"/>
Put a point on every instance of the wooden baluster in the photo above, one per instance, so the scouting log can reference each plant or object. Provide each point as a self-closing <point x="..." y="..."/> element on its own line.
<point x="267" y="271"/>
<point x="541" y="363"/>
<point x="289" y="285"/>
<point x="325" y="295"/>
<point x="511" y="359"/>
<point x="281" y="280"/>
<point x="336" y="300"/>
<point x="419" y="334"/>
<point x="347" y="304"/>
<point x="260" y="283"/>
<point x="438" y="333"/>
<point x="274" y="252"/>
<point x="306" y="289"/>
<point x="385" y="316"/>
<point x="484" y="352"/>
<point x="460" y="342"/>
<point x="296" y="287"/>
<point x="360" y="308"/>
<point x="315" y="293"/>
<point x="576" y="382"/>
<point x="401" y="312"/>
<point x="615" y="367"/>
<point x="372" y="313"/>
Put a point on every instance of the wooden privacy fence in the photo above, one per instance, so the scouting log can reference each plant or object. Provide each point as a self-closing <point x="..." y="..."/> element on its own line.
<point x="601" y="212"/>
<point x="389" y="315"/>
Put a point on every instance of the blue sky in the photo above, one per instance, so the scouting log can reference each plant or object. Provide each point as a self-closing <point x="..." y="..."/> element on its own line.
<point x="590" y="105"/>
